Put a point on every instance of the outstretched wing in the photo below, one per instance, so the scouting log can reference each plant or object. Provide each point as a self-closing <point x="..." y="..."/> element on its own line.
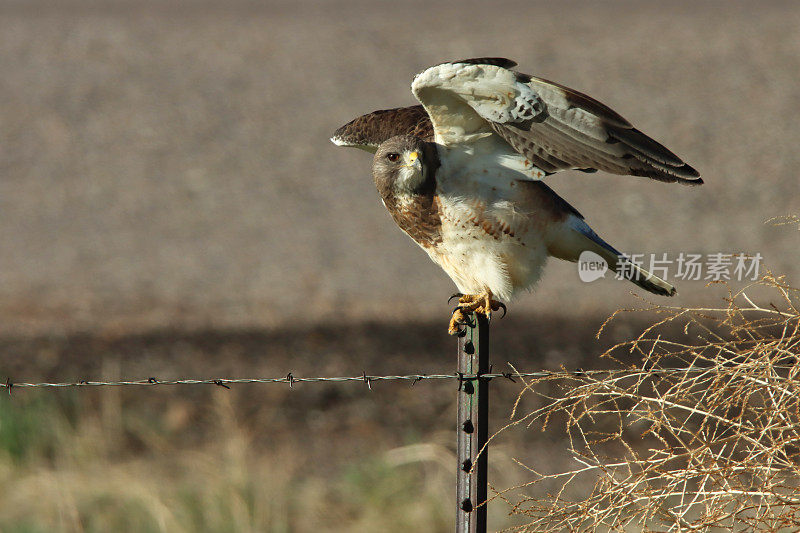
<point x="551" y="126"/>
<point x="369" y="131"/>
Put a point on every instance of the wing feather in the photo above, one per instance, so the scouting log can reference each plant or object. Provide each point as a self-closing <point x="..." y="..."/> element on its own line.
<point x="556" y="127"/>
<point x="369" y="131"/>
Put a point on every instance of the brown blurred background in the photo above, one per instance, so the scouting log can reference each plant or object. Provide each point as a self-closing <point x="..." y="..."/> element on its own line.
<point x="170" y="205"/>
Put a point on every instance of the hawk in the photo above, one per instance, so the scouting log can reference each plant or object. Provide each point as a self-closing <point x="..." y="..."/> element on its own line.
<point x="462" y="175"/>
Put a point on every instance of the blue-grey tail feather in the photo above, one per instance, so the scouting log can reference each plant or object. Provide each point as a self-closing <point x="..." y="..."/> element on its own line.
<point x="617" y="261"/>
<point x="584" y="228"/>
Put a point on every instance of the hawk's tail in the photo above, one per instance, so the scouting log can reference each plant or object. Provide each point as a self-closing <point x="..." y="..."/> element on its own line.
<point x="642" y="277"/>
<point x="616" y="261"/>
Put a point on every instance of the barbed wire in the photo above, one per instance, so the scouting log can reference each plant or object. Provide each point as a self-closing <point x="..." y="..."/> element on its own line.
<point x="290" y="379"/>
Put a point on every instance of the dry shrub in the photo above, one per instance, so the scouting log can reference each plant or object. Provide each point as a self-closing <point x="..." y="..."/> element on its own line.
<point x="703" y="435"/>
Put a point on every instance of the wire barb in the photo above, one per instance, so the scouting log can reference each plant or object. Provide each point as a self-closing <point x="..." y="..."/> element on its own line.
<point x="508" y="376"/>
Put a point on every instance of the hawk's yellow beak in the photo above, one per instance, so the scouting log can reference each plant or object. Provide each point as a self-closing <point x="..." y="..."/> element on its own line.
<point x="412" y="159"/>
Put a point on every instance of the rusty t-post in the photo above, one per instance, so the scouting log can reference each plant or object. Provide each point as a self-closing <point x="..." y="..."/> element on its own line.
<point x="473" y="430"/>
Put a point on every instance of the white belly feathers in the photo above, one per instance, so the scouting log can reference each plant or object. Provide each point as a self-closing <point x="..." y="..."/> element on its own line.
<point x="493" y="237"/>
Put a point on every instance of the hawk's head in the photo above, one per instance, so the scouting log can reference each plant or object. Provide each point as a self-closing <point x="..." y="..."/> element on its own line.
<point x="405" y="165"/>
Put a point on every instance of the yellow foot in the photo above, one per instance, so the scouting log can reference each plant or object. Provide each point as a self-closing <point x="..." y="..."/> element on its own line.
<point x="473" y="303"/>
<point x="458" y="319"/>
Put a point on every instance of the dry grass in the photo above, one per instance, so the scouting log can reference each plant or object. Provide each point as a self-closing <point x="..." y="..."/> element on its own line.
<point x="713" y="446"/>
<point x="706" y="449"/>
<point x="73" y="469"/>
<point x="634" y="448"/>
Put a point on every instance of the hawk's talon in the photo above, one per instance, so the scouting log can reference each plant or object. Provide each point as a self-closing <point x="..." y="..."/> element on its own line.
<point x="474" y="303"/>
<point x="463" y="317"/>
<point x="459" y="318"/>
<point x="501" y="305"/>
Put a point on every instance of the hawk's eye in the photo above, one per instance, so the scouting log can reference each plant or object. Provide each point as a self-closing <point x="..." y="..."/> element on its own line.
<point x="393" y="156"/>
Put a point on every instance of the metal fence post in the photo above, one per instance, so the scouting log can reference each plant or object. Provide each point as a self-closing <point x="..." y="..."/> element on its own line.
<point x="473" y="430"/>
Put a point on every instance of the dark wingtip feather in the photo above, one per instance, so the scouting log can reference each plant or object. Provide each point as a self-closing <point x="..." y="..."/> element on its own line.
<point x="691" y="176"/>
<point x="695" y="178"/>
<point x="685" y="174"/>
<point x="659" y="162"/>
<point x="644" y="145"/>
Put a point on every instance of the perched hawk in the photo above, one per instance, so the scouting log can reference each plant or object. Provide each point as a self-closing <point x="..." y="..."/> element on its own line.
<point x="462" y="175"/>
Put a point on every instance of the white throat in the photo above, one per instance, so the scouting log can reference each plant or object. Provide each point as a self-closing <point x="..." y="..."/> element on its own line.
<point x="410" y="177"/>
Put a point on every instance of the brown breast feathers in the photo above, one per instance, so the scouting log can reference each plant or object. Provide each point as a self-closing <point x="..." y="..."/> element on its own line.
<point x="418" y="215"/>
